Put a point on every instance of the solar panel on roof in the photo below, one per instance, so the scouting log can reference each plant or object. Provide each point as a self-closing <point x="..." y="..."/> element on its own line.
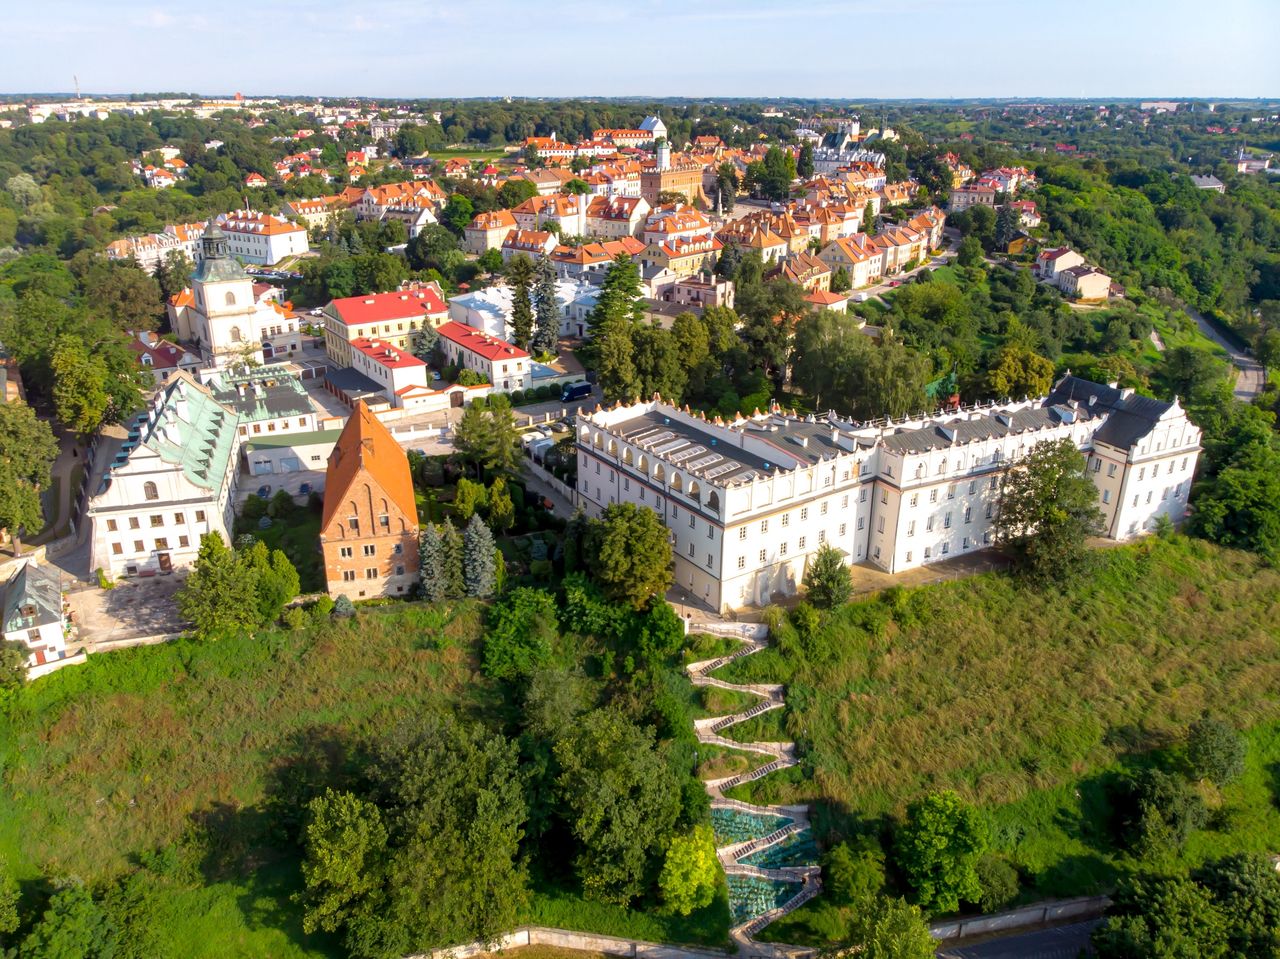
<point x="702" y="461"/>
<point x="671" y="447"/>
<point x="648" y="441"/>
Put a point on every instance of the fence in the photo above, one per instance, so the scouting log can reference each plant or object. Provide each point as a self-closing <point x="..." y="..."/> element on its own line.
<point x="1018" y="918"/>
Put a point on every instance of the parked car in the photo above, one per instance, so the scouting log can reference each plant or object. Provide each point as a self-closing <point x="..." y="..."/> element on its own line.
<point x="574" y="391"/>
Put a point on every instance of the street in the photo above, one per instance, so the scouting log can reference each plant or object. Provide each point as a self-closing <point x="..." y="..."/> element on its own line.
<point x="1060" y="942"/>
<point x="1249" y="382"/>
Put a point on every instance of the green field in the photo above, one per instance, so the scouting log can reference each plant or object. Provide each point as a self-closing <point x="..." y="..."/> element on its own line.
<point x="1027" y="702"/>
<point x="185" y="746"/>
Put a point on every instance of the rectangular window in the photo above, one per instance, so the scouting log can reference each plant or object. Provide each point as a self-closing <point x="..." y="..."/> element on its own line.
<point x="371" y="572"/>
<point x="946" y="521"/>
<point x="692" y="521"/>
<point x="370" y="550"/>
<point x="742" y="532"/>
<point x="786" y="519"/>
<point x="884" y="497"/>
<point x="908" y="556"/>
<point x="800" y="545"/>
<point x="162" y="542"/>
<point x="1184" y="464"/>
<point x="117" y="549"/>
<point x="1106" y="496"/>
<point x="710" y="560"/>
<point x="986" y="537"/>
<point x="843" y="527"/>
<point x="844" y="502"/>
<point x="1155" y="470"/>
<point x="951" y="491"/>
<point x="992" y="484"/>
<point x="764" y="526"/>
<point x="353" y="523"/>
<point x="344" y="552"/>
<point x="973" y="487"/>
<point x="742" y="562"/>
<point x="1111" y="469"/>
<point x="1142" y="474"/>
<point x="691" y="551"/>
<point x="928" y="552"/>
<point x="137" y="546"/>
<point x="946" y="548"/>
<point x="1148" y="496"/>
<point x="782" y="550"/>
<point x="911" y="528"/>
<point x="762" y="555"/>
<point x="804" y="514"/>
<point x="823" y="509"/>
<point x="989" y="508"/>
<point x="1135" y="499"/>
<point x="1097" y="464"/>
<point x="111" y="526"/>
<point x="880" y="525"/>
<point x="822" y="536"/>
<point x="156" y="520"/>
<point x="183" y="542"/>
<point x="179" y="518"/>
<point x="915" y="499"/>
<point x="933" y="496"/>
<point x="966" y="542"/>
<point x="348" y="575"/>
<point x="928" y="525"/>
<point x="968" y="513"/>
<point x="862" y="495"/>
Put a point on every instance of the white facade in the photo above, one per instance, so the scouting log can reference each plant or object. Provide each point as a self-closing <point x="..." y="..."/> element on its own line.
<point x="747" y="503"/>
<point x="489" y="310"/>
<point x="263" y="239"/>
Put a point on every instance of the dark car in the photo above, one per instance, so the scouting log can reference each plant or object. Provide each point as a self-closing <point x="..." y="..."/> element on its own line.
<point x="575" y="391"/>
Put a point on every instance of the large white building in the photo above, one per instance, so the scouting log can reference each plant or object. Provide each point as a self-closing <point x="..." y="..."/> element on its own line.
<point x="748" y="502"/>
<point x="262" y="238"/>
<point x="490" y="309"/>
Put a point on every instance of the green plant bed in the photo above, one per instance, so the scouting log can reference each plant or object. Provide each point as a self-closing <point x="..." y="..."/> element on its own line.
<point x="768" y="727"/>
<point x="714" y="701"/>
<point x="297" y="534"/>
<point x="700" y="647"/>
<point x="750" y="896"/>
<point x="559" y="908"/>
<point x="735" y="825"/>
<point x="720" y="762"/>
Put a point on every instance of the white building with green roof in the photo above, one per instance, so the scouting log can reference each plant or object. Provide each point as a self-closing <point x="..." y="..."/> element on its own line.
<point x="164" y="480"/>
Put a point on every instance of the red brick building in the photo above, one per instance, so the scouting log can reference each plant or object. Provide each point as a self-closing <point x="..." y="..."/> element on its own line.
<point x="369" y="532"/>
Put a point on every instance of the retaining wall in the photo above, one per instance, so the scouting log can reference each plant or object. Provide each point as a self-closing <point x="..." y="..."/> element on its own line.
<point x="582" y="941"/>
<point x="1019" y="918"/>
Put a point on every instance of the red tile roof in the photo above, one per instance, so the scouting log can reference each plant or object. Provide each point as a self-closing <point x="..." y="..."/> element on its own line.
<point x="480" y="343"/>
<point x="380" y="307"/>
<point x="385" y="354"/>
<point x="367" y="448"/>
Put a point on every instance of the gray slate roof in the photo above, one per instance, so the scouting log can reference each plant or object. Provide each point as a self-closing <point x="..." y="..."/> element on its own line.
<point x="36" y="587"/>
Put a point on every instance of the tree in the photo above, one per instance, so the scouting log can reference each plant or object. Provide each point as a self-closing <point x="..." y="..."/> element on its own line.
<point x="221" y="593"/>
<point x="853" y="873"/>
<point x="884" y="927"/>
<point x="1162" y="918"/>
<point x="621" y="800"/>
<point x="13" y="663"/>
<point x="969" y="253"/>
<point x="659" y="363"/>
<point x="10" y="895"/>
<point x="477" y="559"/>
<point x="73" y="926"/>
<point x="938" y="848"/>
<point x="1047" y="510"/>
<point x="275" y="579"/>
<point x="173" y="274"/>
<point x="840" y="282"/>
<point x="457" y="213"/>
<point x="423" y="341"/>
<point x="345" y="859"/>
<point x="869" y="219"/>
<point x="514" y="192"/>
<point x="435" y="580"/>
<point x="124" y="293"/>
<point x="1266" y="350"/>
<point x="630" y="554"/>
<point x="1019" y="371"/>
<point x="1189" y="371"/>
<point x="27" y="451"/>
<point x="520" y="276"/>
<point x="80" y="396"/>
<point x="1155" y="811"/>
<point x="690" y="872"/>
<point x="487" y="437"/>
<point x="804" y="165"/>
<point x="491" y="261"/>
<point x="612" y="321"/>
<point x="547" y="328"/>
<point x="826" y="580"/>
<point x="520" y="634"/>
<point x="1215" y="751"/>
<point x="429" y="248"/>
<point x="469" y="497"/>
<point x="1247" y="888"/>
<point x="502" y="512"/>
<point x="1008" y="225"/>
<point x="1240" y="508"/>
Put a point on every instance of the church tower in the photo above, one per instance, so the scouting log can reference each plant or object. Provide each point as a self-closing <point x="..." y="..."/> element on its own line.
<point x="224" y="322"/>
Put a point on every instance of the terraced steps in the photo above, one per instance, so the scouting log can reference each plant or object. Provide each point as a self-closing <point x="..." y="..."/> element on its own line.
<point x="752" y="879"/>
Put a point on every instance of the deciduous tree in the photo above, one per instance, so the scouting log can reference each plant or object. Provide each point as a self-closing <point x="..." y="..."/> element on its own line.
<point x="27" y="451"/>
<point x="345" y="860"/>
<point x="690" y="871"/>
<point x="938" y="848"/>
<point x="630" y="554"/>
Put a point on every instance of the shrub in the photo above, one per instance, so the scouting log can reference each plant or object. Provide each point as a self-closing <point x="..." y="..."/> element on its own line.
<point x="295" y="618"/>
<point x="281" y="504"/>
<point x="254" y="508"/>
<point x="1156" y="811"/>
<point x="1215" y="751"/>
<point x="853" y="871"/>
<point x="323" y="606"/>
<point x="343" y="608"/>
<point x="806" y="621"/>
<point x="541" y="569"/>
<point x="517" y="397"/>
<point x="104" y="581"/>
<point x="999" y="881"/>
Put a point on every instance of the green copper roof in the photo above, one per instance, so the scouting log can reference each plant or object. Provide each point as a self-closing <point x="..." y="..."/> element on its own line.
<point x="217" y="269"/>
<point x="199" y="437"/>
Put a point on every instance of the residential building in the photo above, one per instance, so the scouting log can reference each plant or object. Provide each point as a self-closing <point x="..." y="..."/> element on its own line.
<point x="505" y="366"/>
<point x="31" y="607"/>
<point x="567" y="211"/>
<point x="806" y="270"/>
<point x="972" y="194"/>
<point x="369" y="528"/>
<point x="1028" y="215"/>
<point x="592" y="259"/>
<point x="613" y="217"/>
<point x="267" y="400"/>
<point x="164" y="481"/>
<point x="487" y="231"/>
<point x="392" y="317"/>
<point x="534" y="244"/>
<point x="400" y="376"/>
<point x="1210" y="182"/>
<point x="1049" y="263"/>
<point x="700" y="292"/>
<point x="748" y="502"/>
<point x="683" y="257"/>
<point x="675" y="222"/>
<point x="262" y="238"/>
<point x="489" y="310"/>
<point x="314" y="212"/>
<point x="161" y="358"/>
<point x="1084" y="282"/>
<point x="294" y="462"/>
<point x="860" y="258"/>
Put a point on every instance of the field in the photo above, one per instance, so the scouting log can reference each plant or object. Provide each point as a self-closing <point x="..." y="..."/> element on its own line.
<point x="181" y="746"/>
<point x="1026" y="702"/>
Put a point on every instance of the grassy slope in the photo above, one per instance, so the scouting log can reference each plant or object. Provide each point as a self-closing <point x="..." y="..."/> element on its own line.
<point x="136" y="748"/>
<point x="1024" y="700"/>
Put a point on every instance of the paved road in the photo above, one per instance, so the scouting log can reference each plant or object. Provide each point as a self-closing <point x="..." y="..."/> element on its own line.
<point x="1060" y="942"/>
<point x="1249" y="382"/>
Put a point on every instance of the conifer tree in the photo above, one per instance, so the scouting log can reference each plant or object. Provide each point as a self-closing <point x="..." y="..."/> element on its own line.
<point x="479" y="573"/>
<point x="452" y="554"/>
<point x="431" y="563"/>
<point x="547" y="330"/>
<point x="520" y="276"/>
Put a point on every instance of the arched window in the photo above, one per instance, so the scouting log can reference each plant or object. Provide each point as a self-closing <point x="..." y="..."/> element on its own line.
<point x="149" y="491"/>
<point x="231" y="298"/>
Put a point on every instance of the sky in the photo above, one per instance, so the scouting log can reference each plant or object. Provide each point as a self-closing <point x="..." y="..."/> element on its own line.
<point x="855" y="49"/>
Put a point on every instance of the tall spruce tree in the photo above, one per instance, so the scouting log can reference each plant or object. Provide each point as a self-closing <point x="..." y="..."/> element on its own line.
<point x="434" y="585"/>
<point x="613" y="320"/>
<point x="520" y="276"/>
<point x="547" y="330"/>
<point x="453" y="557"/>
<point x="479" y="571"/>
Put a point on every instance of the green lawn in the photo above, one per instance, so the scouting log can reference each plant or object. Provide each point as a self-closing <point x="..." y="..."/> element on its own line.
<point x="1026" y="700"/>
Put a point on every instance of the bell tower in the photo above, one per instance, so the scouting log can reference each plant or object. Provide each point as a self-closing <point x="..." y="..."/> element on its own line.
<point x="226" y="316"/>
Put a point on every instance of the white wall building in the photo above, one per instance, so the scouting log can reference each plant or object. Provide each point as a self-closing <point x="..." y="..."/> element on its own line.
<point x="747" y="503"/>
<point x="489" y="310"/>
<point x="263" y="239"/>
<point x="504" y="365"/>
<point x="31" y="611"/>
